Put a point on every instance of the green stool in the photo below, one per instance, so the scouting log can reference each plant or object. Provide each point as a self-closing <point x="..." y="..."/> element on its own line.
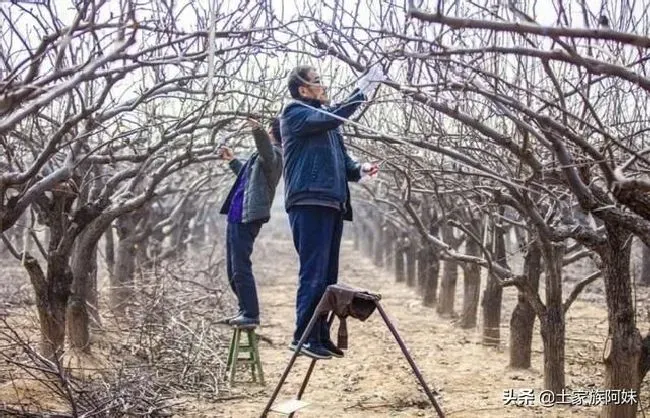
<point x="253" y="354"/>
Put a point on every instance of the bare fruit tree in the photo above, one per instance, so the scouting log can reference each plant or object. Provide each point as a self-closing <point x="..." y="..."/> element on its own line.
<point x="102" y="112"/>
<point x="541" y="117"/>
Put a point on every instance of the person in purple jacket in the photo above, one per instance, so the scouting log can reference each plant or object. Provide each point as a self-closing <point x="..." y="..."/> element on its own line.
<point x="248" y="207"/>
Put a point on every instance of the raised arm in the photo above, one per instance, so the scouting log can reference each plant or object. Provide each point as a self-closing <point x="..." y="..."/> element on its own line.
<point x="263" y="144"/>
<point x="306" y="120"/>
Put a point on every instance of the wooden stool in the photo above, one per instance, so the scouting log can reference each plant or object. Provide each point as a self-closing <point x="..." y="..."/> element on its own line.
<point x="253" y="354"/>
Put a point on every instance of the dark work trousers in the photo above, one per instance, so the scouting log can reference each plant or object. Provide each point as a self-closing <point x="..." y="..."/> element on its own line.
<point x="317" y="237"/>
<point x="240" y="238"/>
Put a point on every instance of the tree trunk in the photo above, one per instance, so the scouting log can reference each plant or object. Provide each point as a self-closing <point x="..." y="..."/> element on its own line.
<point x="179" y="236"/>
<point x="411" y="258"/>
<point x="445" y="305"/>
<point x="400" y="273"/>
<point x="472" y="287"/>
<point x="141" y="256"/>
<point x="356" y="233"/>
<point x="378" y="248"/>
<point x="552" y="325"/>
<point x="492" y="294"/>
<point x="197" y="227"/>
<point x="122" y="285"/>
<point x="82" y="306"/>
<point x="431" y="281"/>
<point x="122" y="279"/>
<point x="449" y="280"/>
<point x="644" y="278"/>
<point x="622" y="356"/>
<point x="369" y="241"/>
<point x="109" y="250"/>
<point x="52" y="292"/>
<point x="523" y="316"/>
<point x="212" y="226"/>
<point x="553" y="333"/>
<point x="52" y="289"/>
<point x="363" y="239"/>
<point x="423" y="265"/>
<point x="389" y="248"/>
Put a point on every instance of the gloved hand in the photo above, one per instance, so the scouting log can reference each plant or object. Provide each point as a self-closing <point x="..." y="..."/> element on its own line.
<point x="369" y="82"/>
<point x="368" y="169"/>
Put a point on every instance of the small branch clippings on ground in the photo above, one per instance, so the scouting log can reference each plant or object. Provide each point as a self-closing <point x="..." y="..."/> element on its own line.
<point x="168" y="347"/>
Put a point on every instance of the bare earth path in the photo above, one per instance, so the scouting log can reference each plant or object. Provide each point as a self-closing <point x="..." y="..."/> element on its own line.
<point x="374" y="379"/>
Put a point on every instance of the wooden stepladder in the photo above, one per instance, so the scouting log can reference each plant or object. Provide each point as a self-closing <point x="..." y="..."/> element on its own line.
<point x="253" y="359"/>
<point x="343" y="301"/>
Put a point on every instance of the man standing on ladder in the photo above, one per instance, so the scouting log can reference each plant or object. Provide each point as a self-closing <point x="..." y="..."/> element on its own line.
<point x="248" y="207"/>
<point x="317" y="168"/>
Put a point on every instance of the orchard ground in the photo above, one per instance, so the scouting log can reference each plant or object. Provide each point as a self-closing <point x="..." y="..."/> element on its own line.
<point x="374" y="379"/>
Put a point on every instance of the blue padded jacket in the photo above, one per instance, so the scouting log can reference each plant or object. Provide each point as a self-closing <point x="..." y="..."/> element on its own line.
<point x="317" y="167"/>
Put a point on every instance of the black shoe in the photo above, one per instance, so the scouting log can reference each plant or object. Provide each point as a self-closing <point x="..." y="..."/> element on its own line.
<point x="313" y="350"/>
<point x="333" y="349"/>
<point x="229" y="318"/>
<point x="244" y="322"/>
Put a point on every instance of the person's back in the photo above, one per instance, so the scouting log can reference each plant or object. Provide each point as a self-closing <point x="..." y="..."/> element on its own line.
<point x="317" y="167"/>
<point x="248" y="207"/>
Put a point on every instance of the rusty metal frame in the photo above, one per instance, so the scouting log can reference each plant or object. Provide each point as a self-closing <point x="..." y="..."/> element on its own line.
<point x="303" y="338"/>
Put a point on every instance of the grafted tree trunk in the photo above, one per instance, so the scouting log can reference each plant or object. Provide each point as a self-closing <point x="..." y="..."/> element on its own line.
<point x="197" y="226"/>
<point x="212" y="226"/>
<point x="644" y="278"/>
<point x="84" y="268"/>
<point x="492" y="294"/>
<point x="52" y="291"/>
<point x="623" y="351"/>
<point x="142" y="258"/>
<point x="400" y="247"/>
<point x="366" y="241"/>
<point x="378" y="248"/>
<point x="433" y="271"/>
<point x="83" y="304"/>
<point x="356" y="234"/>
<point x="523" y="316"/>
<point x="644" y="361"/>
<point x="472" y="287"/>
<point x="122" y="285"/>
<point x="122" y="279"/>
<point x="155" y="242"/>
<point x="423" y="265"/>
<point x="179" y="235"/>
<point x="389" y="247"/>
<point x="445" y="305"/>
<point x="109" y="250"/>
<point x="52" y="288"/>
<point x="449" y="280"/>
<point x="552" y="322"/>
<point x="431" y="283"/>
<point x="411" y="258"/>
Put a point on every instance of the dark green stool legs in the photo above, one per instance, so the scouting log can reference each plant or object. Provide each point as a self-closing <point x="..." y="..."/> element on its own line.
<point x="251" y="348"/>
